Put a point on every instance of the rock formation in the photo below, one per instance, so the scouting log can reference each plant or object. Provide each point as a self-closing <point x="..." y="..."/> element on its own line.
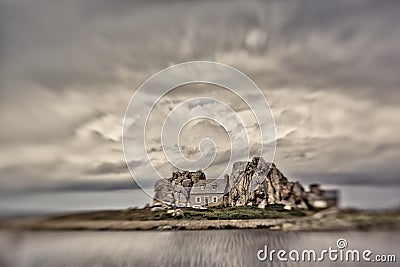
<point x="254" y="183"/>
<point x="258" y="183"/>
<point x="175" y="191"/>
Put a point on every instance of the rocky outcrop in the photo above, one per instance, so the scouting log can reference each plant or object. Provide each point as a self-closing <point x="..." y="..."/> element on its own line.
<point x="258" y="183"/>
<point x="175" y="191"/>
<point x="255" y="183"/>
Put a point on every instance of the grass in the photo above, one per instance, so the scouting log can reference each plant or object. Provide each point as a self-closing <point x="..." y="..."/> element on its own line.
<point x="213" y="213"/>
<point x="241" y="213"/>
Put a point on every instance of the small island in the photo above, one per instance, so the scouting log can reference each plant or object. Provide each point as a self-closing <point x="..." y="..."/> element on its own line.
<point x="256" y="195"/>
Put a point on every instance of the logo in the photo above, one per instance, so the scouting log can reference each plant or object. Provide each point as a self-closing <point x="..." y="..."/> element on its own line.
<point x="327" y="254"/>
<point x="162" y="113"/>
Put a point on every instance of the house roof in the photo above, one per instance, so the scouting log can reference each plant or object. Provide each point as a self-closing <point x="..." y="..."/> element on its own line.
<point x="210" y="186"/>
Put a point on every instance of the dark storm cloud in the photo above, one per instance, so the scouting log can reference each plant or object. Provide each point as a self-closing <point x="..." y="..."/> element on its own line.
<point x="83" y="186"/>
<point x="85" y="42"/>
<point x="375" y="178"/>
<point x="108" y="167"/>
<point x="68" y="70"/>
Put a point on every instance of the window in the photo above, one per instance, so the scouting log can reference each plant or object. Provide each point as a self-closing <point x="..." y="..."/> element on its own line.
<point x="198" y="199"/>
<point x="214" y="199"/>
<point x="214" y="186"/>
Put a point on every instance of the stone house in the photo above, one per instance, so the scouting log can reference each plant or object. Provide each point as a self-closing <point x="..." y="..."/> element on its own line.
<point x="209" y="191"/>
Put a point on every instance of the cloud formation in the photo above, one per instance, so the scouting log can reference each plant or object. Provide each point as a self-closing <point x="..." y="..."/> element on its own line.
<point x="329" y="71"/>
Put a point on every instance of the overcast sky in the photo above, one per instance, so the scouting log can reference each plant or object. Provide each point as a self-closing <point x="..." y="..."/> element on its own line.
<point x="329" y="69"/>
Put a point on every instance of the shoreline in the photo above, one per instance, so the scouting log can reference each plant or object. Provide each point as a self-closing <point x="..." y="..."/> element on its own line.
<point x="327" y="220"/>
<point x="160" y="225"/>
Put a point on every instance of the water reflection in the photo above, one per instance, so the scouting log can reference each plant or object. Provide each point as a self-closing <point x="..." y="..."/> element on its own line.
<point x="181" y="248"/>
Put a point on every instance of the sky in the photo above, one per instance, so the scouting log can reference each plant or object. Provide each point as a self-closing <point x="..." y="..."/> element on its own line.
<point x="329" y="70"/>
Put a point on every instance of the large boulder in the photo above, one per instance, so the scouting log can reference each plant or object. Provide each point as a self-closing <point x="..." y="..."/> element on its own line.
<point x="175" y="191"/>
<point x="163" y="193"/>
<point x="257" y="183"/>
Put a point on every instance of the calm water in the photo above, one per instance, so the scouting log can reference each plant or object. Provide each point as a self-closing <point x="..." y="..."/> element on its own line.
<point x="180" y="248"/>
